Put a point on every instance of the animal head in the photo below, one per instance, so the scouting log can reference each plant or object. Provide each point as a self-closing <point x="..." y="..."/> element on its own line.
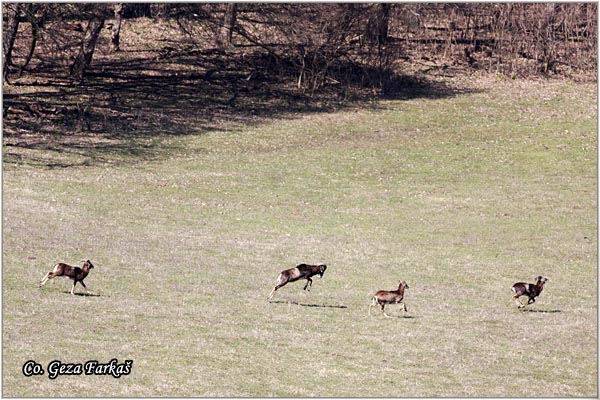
<point x="541" y="279"/>
<point x="403" y="283"/>
<point x="88" y="263"/>
<point x="322" y="269"/>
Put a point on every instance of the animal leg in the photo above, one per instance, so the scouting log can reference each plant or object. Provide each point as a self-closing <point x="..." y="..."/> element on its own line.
<point x="46" y="278"/>
<point x="519" y="304"/>
<point x="280" y="282"/>
<point x="275" y="289"/>
<point x="531" y="300"/>
<point x="373" y="303"/>
<point x="405" y="309"/>
<point x="85" y="287"/>
<point x="382" y="307"/>
<point x="73" y="288"/>
<point x="49" y="275"/>
<point x="308" y="284"/>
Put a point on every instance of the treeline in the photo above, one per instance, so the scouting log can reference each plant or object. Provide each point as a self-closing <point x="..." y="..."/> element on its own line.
<point x="320" y="44"/>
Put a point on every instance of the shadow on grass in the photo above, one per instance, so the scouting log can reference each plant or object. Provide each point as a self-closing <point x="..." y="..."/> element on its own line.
<point x="533" y="310"/>
<point x="84" y="294"/>
<point x="398" y="317"/>
<point x="127" y="109"/>
<point x="308" y="304"/>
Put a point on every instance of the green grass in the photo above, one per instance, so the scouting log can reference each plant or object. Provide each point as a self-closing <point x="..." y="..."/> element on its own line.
<point x="461" y="197"/>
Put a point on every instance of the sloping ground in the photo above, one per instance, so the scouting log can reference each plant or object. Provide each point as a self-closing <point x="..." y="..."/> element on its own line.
<point x="461" y="196"/>
<point x="164" y="81"/>
<point x="134" y="99"/>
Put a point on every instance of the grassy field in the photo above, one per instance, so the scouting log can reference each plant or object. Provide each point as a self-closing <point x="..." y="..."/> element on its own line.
<point x="461" y="196"/>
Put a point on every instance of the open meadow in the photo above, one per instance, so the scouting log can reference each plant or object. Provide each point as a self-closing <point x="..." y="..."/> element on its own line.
<point x="460" y="193"/>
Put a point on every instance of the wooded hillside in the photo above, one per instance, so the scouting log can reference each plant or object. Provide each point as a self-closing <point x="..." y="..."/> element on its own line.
<point x="107" y="66"/>
<point x="322" y="42"/>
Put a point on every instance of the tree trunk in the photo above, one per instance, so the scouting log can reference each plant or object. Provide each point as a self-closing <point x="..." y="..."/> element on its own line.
<point x="34" y="39"/>
<point x="36" y="25"/>
<point x="377" y="25"/>
<point x="116" y="29"/>
<point x="9" y="37"/>
<point x="84" y="58"/>
<point x="226" y="30"/>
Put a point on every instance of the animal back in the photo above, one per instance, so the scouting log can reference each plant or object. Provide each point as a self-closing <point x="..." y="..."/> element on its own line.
<point x="518" y="285"/>
<point x="292" y="274"/>
<point x="386" y="296"/>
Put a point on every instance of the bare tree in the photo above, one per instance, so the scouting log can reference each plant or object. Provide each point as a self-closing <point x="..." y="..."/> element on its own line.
<point x="325" y="44"/>
<point x="88" y="45"/>
<point x="12" y="27"/>
<point x="224" y="36"/>
<point x="377" y="25"/>
<point x="35" y="13"/>
<point x="116" y="28"/>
